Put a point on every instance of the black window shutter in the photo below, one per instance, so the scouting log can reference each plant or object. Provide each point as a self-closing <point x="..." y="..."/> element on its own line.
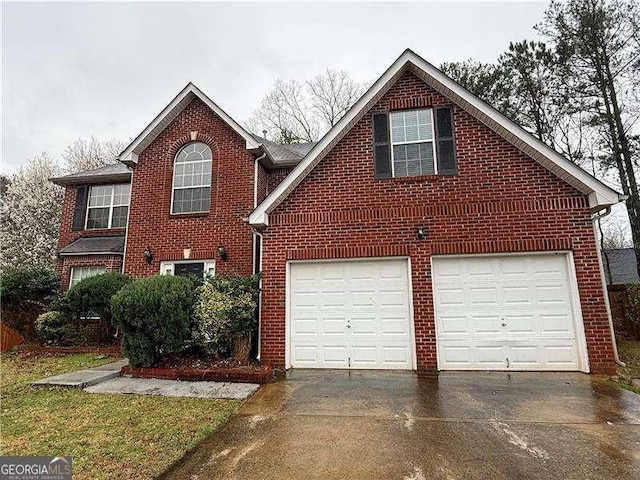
<point x="381" y="147"/>
<point x="79" y="213"/>
<point x="446" y="148"/>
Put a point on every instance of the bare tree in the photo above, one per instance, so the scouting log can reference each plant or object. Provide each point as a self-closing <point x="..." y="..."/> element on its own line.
<point x="294" y="111"/>
<point x="598" y="44"/>
<point x="88" y="154"/>
<point x="30" y="215"/>
<point x="615" y="232"/>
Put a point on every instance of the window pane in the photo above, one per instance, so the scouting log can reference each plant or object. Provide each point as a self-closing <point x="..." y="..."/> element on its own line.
<point x="98" y="218"/>
<point x="189" y="200"/>
<point x="413" y="159"/>
<point x="121" y="194"/>
<point x="80" y="273"/>
<point x="411" y="126"/>
<point x="119" y="218"/>
<point x="100" y="196"/>
<point x="194" y="152"/>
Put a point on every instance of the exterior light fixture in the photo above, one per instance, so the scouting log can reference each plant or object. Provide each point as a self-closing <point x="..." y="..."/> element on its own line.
<point x="421" y="233"/>
<point x="148" y="255"/>
<point x="223" y="253"/>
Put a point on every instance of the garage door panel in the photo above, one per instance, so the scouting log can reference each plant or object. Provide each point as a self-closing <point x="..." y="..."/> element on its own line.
<point x="555" y="324"/>
<point x="394" y="327"/>
<point x="363" y="298"/>
<point x="392" y="298"/>
<point x="393" y="357"/>
<point x="511" y="312"/>
<point x="523" y="324"/>
<point x="517" y="295"/>
<point x="362" y="314"/>
<point x="485" y="325"/>
<point x="305" y="354"/>
<point x="483" y="296"/>
<point x="451" y="296"/>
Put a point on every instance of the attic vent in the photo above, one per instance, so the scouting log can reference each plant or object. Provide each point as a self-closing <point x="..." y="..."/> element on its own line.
<point x="411" y="102"/>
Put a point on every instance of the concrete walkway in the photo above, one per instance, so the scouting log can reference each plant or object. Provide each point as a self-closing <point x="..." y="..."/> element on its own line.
<point x="175" y="388"/>
<point x="84" y="378"/>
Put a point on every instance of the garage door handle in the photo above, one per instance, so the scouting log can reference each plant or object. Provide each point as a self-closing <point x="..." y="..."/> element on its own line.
<point x="348" y="326"/>
<point x="503" y="324"/>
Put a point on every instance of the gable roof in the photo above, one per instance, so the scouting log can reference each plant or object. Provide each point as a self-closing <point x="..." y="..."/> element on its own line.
<point x="600" y="195"/>
<point x="130" y="154"/>
<point x="116" y="172"/>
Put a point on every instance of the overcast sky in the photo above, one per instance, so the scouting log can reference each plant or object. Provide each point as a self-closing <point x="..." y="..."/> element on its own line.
<point x="75" y="70"/>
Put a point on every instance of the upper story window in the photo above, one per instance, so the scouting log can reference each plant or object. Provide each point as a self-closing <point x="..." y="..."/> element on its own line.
<point x="412" y="138"/>
<point x="192" y="179"/>
<point x="411" y="143"/>
<point x="108" y="206"/>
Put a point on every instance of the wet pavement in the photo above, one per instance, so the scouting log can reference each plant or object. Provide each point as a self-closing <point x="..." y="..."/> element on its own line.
<point x="389" y="425"/>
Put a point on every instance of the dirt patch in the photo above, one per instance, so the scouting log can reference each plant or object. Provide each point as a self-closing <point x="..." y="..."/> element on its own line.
<point x="202" y="368"/>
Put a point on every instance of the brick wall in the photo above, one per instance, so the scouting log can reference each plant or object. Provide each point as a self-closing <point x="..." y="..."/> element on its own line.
<point x="501" y="201"/>
<point x="66" y="235"/>
<point x="152" y="225"/>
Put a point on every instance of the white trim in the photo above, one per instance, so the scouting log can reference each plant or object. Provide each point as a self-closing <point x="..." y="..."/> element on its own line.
<point x="576" y="306"/>
<point x="169" y="113"/>
<point x="168" y="267"/>
<point x="287" y="314"/>
<point x="173" y="179"/>
<point x="578" y="321"/>
<point x="414" y="142"/>
<point x="111" y="206"/>
<point x="412" y="324"/>
<point x="600" y="195"/>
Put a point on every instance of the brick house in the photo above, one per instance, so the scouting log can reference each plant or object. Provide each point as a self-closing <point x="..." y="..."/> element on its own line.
<point x="423" y="231"/>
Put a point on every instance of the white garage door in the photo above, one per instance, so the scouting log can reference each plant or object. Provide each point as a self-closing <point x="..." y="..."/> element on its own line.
<point x="506" y="313"/>
<point x="350" y="314"/>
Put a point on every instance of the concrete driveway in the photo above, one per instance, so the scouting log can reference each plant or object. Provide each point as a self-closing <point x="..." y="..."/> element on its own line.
<point x="385" y="425"/>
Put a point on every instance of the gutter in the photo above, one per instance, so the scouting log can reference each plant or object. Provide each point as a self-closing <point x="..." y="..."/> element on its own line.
<point x="605" y="291"/>
<point x="256" y="236"/>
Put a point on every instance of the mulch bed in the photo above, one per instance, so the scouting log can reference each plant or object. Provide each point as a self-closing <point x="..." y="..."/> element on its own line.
<point x="40" y="351"/>
<point x="195" y="368"/>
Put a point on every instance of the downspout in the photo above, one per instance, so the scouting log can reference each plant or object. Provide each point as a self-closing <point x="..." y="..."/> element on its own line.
<point x="594" y="219"/>
<point x="126" y="232"/>
<point x="256" y="235"/>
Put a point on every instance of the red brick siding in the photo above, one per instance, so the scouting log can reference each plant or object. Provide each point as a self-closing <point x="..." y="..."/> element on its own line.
<point x="276" y="176"/>
<point x="113" y="263"/>
<point x="67" y="235"/>
<point x="501" y="201"/>
<point x="263" y="183"/>
<point x="152" y="225"/>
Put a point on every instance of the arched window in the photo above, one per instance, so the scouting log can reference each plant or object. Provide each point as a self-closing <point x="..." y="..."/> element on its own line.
<point x="192" y="179"/>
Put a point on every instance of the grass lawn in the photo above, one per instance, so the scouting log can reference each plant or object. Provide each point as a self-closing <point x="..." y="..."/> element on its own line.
<point x="108" y="436"/>
<point x="629" y="352"/>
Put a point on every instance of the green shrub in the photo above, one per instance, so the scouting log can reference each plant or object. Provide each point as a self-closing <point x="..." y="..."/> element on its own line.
<point x="154" y="315"/>
<point x="91" y="298"/>
<point x="26" y="292"/>
<point x="225" y="308"/>
<point x="56" y="328"/>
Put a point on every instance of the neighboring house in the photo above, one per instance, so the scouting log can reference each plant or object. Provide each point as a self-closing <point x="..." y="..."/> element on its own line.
<point x="423" y="231"/>
<point x="620" y="267"/>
